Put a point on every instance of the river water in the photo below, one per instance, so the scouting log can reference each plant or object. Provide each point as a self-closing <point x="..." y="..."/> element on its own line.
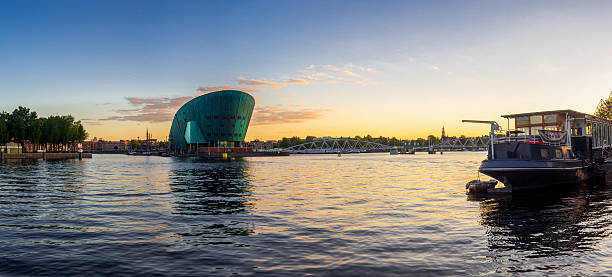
<point x="355" y="215"/>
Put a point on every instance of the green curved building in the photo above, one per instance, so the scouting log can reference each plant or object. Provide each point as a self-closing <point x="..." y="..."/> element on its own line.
<point x="218" y="118"/>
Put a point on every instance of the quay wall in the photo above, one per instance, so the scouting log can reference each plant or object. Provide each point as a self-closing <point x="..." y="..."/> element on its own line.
<point x="44" y="156"/>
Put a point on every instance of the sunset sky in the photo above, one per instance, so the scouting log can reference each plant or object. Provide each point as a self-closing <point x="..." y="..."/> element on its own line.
<point x="323" y="68"/>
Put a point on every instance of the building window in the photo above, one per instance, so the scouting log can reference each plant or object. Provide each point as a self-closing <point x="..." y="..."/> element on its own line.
<point x="535" y="119"/>
<point x="544" y="153"/>
<point x="216" y="117"/>
<point x="522" y="120"/>
<point x="208" y="135"/>
<point x="208" y="117"/>
<point x="550" y="118"/>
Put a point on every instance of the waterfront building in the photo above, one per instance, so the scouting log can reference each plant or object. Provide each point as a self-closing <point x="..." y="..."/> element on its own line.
<point x="213" y="120"/>
<point x="96" y="145"/>
<point x="11" y="148"/>
<point x="262" y="145"/>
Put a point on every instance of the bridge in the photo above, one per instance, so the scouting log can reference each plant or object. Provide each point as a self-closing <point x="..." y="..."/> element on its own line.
<point x="460" y="144"/>
<point x="341" y="145"/>
<point x="337" y="145"/>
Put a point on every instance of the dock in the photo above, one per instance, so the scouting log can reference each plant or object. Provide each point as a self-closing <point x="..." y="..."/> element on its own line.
<point x="44" y="156"/>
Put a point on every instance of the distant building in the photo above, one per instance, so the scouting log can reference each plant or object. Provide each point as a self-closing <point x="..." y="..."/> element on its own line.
<point x="96" y="145"/>
<point x="212" y="120"/>
<point x="262" y="145"/>
<point x="11" y="148"/>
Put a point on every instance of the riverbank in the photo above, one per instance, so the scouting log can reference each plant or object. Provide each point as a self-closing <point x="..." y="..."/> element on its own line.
<point x="44" y="156"/>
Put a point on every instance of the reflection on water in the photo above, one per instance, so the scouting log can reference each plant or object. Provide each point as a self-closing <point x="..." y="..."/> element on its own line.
<point x="211" y="189"/>
<point x="359" y="215"/>
<point x="543" y="225"/>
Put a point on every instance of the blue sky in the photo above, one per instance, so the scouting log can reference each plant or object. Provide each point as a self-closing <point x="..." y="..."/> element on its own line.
<point x="415" y="65"/>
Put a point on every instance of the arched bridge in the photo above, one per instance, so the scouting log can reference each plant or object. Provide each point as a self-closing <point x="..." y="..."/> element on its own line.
<point x="337" y="145"/>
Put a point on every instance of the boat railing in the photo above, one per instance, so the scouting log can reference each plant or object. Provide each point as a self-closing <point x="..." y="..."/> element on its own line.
<point x="505" y="136"/>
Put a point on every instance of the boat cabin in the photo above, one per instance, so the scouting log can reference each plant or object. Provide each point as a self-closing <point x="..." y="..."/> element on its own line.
<point x="598" y="130"/>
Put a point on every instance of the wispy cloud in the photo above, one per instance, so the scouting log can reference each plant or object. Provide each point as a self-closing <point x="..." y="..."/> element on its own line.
<point x="253" y="82"/>
<point x="338" y="74"/>
<point x="204" y="90"/>
<point x="149" y="109"/>
<point x="298" y="81"/>
<point x="162" y="109"/>
<point x="279" y="114"/>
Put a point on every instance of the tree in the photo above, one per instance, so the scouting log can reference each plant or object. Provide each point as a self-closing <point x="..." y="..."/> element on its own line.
<point x="604" y="109"/>
<point x="4" y="133"/>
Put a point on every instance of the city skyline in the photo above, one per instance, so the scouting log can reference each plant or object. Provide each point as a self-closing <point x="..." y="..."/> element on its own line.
<point x="394" y="68"/>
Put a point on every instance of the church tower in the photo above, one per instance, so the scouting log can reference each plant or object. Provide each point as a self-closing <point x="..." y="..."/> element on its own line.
<point x="443" y="133"/>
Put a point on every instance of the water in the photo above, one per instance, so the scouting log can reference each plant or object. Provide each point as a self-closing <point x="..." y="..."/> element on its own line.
<point x="363" y="215"/>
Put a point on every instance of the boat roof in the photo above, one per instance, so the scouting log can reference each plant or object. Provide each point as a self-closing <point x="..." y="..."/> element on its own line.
<point x="572" y="113"/>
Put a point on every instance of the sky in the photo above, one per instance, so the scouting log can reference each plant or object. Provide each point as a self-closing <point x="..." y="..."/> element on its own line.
<point x="324" y="68"/>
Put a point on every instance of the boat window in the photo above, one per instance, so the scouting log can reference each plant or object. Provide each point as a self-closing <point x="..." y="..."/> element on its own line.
<point x="535" y="119"/>
<point x="588" y="129"/>
<point x="544" y="153"/>
<point x="558" y="154"/>
<point x="522" y="120"/>
<point x="550" y="118"/>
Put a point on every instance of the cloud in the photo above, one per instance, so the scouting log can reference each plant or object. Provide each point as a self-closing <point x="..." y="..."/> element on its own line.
<point x="365" y="69"/>
<point x="298" y="81"/>
<point x="245" y="82"/>
<point x="279" y="114"/>
<point x="149" y="109"/>
<point x="338" y="74"/>
<point x="162" y="109"/>
<point x="205" y="90"/>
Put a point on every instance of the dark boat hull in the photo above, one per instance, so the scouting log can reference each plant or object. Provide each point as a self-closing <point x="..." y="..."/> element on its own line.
<point x="522" y="175"/>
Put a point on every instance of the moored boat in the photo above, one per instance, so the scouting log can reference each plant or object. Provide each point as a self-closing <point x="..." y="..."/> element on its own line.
<point x="549" y="148"/>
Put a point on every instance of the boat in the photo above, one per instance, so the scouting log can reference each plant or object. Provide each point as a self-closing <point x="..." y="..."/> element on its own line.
<point x="394" y="151"/>
<point x="548" y="148"/>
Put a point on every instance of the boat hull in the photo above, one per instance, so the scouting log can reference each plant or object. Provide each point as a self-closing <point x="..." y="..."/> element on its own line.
<point x="522" y="175"/>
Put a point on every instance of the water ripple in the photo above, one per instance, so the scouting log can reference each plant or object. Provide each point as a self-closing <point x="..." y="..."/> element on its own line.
<point x="366" y="214"/>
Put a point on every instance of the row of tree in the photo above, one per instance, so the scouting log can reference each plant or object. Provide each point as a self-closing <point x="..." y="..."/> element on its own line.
<point x="53" y="132"/>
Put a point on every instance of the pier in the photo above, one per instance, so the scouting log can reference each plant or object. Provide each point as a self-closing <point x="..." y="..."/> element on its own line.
<point x="44" y="156"/>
